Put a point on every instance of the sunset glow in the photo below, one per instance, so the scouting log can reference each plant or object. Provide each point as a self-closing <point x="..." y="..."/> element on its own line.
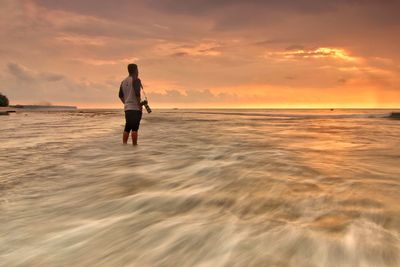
<point x="202" y="54"/>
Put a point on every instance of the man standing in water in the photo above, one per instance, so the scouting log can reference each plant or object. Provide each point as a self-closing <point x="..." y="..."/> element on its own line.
<point x="129" y="93"/>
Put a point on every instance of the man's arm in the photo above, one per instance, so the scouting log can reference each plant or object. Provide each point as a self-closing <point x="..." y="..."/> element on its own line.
<point x="137" y="86"/>
<point x="121" y="94"/>
<point x="139" y="100"/>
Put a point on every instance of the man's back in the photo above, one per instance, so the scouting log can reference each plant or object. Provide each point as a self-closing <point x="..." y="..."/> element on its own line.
<point x="130" y="92"/>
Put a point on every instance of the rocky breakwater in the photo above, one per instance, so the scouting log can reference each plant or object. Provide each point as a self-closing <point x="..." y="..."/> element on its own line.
<point x="6" y="110"/>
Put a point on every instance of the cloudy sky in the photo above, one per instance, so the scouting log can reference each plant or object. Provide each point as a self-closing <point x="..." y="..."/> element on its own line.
<point x="203" y="53"/>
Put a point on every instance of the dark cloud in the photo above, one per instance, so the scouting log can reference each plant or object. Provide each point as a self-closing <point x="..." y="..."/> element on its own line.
<point x="197" y="6"/>
<point x="99" y="8"/>
<point x="23" y="74"/>
<point x="308" y="22"/>
<point x="294" y="47"/>
<point x="19" y="72"/>
<point x="204" y="7"/>
<point x="51" y="77"/>
<point x="179" y="54"/>
<point x="28" y="86"/>
<point x="228" y="15"/>
<point x="236" y="13"/>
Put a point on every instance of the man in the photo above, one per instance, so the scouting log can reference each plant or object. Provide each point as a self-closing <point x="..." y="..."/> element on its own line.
<point x="129" y="93"/>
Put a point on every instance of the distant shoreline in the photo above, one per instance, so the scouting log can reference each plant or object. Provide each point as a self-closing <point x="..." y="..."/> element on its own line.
<point x="43" y="107"/>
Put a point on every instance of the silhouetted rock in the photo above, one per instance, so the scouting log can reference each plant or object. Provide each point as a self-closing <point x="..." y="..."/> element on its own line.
<point x="395" y="115"/>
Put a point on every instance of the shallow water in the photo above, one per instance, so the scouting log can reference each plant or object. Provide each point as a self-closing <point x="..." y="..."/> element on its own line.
<point x="202" y="188"/>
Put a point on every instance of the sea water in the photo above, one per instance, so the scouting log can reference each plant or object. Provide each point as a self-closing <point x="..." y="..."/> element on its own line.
<point x="202" y="188"/>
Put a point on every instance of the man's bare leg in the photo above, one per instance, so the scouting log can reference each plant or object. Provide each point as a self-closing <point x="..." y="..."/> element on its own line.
<point x="125" y="137"/>
<point x="134" y="138"/>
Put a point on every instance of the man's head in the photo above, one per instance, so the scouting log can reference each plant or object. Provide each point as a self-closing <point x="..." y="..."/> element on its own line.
<point x="133" y="70"/>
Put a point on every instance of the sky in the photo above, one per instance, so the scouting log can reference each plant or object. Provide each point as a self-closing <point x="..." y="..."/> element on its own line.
<point x="203" y="53"/>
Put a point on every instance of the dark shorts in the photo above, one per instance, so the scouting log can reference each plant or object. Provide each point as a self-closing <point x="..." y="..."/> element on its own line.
<point x="132" y="118"/>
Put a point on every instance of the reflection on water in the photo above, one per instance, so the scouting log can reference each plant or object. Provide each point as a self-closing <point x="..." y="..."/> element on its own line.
<point x="203" y="188"/>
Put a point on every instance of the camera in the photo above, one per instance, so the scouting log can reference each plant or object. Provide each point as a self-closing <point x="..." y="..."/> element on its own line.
<point x="145" y="103"/>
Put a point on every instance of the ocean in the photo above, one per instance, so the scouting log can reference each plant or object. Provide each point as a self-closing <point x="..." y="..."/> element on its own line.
<point x="202" y="188"/>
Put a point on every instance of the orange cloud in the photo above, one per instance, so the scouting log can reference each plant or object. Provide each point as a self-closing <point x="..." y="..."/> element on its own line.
<point x="81" y="40"/>
<point x="203" y="48"/>
<point x="101" y="62"/>
<point x="322" y="52"/>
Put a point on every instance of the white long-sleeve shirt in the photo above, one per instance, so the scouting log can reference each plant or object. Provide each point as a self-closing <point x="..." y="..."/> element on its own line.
<point x="129" y="92"/>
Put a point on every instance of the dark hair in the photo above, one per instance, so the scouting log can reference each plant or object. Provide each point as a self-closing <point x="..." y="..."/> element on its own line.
<point x="133" y="69"/>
